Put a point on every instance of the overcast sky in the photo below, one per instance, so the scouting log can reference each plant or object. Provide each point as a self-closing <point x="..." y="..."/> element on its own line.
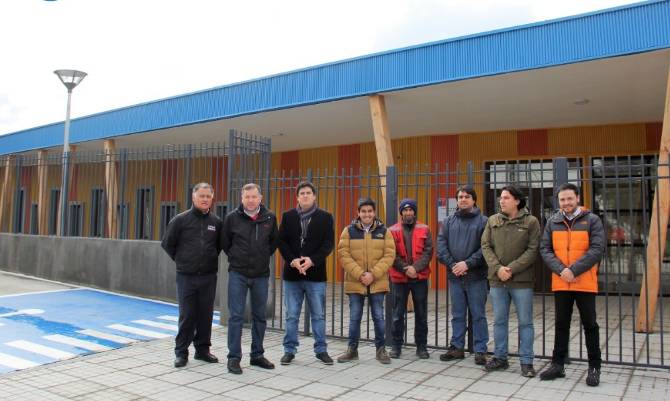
<point x="142" y="50"/>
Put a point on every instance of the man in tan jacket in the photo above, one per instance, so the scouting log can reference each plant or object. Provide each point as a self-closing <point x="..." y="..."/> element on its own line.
<point x="366" y="251"/>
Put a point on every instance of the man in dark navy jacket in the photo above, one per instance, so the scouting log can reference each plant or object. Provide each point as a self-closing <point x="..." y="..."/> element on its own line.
<point x="306" y="238"/>
<point x="459" y="248"/>
<point x="192" y="241"/>
<point x="249" y="239"/>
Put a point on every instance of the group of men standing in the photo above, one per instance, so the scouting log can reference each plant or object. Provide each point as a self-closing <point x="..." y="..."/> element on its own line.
<point x="479" y="253"/>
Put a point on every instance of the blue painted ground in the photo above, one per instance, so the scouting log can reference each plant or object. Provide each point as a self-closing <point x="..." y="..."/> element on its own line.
<point x="29" y="318"/>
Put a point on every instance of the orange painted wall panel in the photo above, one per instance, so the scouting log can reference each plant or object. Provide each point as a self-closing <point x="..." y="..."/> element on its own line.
<point x="653" y="137"/>
<point x="621" y="139"/>
<point x="532" y="142"/>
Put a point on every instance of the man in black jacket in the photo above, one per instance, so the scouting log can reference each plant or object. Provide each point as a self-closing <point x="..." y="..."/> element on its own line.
<point x="306" y="238"/>
<point x="249" y="239"/>
<point x="192" y="241"/>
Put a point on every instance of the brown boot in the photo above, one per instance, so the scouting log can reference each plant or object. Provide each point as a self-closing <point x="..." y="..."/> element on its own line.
<point x="382" y="356"/>
<point x="350" y="355"/>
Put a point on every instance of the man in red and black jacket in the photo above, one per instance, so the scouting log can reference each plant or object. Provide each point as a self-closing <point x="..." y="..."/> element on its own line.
<point x="409" y="274"/>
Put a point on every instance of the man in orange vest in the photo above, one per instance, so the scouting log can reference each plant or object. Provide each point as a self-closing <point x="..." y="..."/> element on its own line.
<point x="572" y="247"/>
<point x="409" y="274"/>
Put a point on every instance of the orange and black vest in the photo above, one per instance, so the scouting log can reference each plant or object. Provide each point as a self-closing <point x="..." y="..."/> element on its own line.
<point x="419" y="235"/>
<point x="575" y="242"/>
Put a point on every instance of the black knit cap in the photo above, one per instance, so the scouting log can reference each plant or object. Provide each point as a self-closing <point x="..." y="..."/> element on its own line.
<point x="408" y="202"/>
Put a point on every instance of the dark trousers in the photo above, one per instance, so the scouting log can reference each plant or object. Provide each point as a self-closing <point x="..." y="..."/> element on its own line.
<point x="400" y="292"/>
<point x="195" y="294"/>
<point x="586" y="303"/>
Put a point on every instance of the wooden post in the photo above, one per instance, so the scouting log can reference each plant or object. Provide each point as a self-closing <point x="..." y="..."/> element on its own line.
<point x="42" y="200"/>
<point x="658" y="229"/>
<point x="111" y="188"/>
<point x="5" y="195"/>
<point x="380" y="127"/>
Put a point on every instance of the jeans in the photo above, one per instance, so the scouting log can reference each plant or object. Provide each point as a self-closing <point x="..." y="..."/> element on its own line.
<point x="195" y="294"/>
<point x="238" y="285"/>
<point x="294" y="293"/>
<point x="376" y="303"/>
<point x="501" y="298"/>
<point x="400" y="293"/>
<point x="464" y="295"/>
<point x="586" y="303"/>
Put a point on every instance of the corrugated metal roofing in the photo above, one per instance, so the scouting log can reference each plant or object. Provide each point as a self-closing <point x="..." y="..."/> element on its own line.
<point x="614" y="32"/>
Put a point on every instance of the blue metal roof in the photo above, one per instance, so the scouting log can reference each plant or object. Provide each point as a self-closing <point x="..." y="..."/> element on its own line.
<point x="630" y="29"/>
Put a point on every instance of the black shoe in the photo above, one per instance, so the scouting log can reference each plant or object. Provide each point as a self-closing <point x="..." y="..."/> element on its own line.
<point x="496" y="364"/>
<point x="206" y="356"/>
<point x="480" y="358"/>
<point x="593" y="377"/>
<point x="234" y="366"/>
<point x="180" y="361"/>
<point x="554" y="371"/>
<point x="422" y="353"/>
<point x="287" y="358"/>
<point x="262" y="362"/>
<point x="452" y="353"/>
<point x="395" y="352"/>
<point x="325" y="358"/>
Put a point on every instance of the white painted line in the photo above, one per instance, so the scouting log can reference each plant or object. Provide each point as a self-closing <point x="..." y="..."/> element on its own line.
<point x="41" y="349"/>
<point x="15" y="363"/>
<point x="23" y="312"/>
<point x="141" y="332"/>
<point x="108" y="336"/>
<point x="176" y="319"/>
<point x="75" y="342"/>
<point x="159" y="325"/>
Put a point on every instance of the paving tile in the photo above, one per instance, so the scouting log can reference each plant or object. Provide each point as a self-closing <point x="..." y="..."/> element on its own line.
<point x="320" y="390"/>
<point x="359" y="394"/>
<point x="251" y="392"/>
<point x="430" y="393"/>
<point x="283" y="383"/>
<point x="182" y="377"/>
<point x="180" y="394"/>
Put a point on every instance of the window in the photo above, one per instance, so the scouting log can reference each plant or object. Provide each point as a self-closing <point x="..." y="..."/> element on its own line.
<point x="97" y="225"/>
<point x="122" y="218"/>
<point x="221" y="209"/>
<point x="19" y="210"/>
<point x="144" y="214"/>
<point x="75" y="224"/>
<point x="54" y="207"/>
<point x="168" y="211"/>
<point x="34" y="219"/>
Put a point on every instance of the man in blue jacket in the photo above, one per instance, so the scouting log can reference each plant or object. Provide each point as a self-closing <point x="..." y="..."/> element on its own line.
<point x="459" y="248"/>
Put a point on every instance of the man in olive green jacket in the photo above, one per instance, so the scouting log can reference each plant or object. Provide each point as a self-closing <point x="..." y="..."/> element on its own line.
<point x="510" y="245"/>
<point x="366" y="251"/>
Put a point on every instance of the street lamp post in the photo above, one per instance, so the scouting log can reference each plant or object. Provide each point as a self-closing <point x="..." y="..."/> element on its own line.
<point x="69" y="78"/>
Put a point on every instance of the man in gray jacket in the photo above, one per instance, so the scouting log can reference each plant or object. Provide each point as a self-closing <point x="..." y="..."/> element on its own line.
<point x="459" y="248"/>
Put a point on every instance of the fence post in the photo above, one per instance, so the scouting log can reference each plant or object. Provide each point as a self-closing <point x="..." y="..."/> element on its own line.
<point x="187" y="174"/>
<point x="122" y="214"/>
<point x="470" y="173"/>
<point x="18" y="207"/>
<point x="560" y="176"/>
<point x="391" y="219"/>
<point x="307" y="305"/>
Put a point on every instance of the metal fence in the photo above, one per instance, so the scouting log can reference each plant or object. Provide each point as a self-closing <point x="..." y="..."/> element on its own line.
<point x="124" y="193"/>
<point x="618" y="189"/>
<point x="149" y="186"/>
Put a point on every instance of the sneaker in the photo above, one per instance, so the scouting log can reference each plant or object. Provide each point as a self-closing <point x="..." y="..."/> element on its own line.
<point x="452" y="353"/>
<point x="422" y="353"/>
<point x="496" y="364"/>
<point x="287" y="358"/>
<point x="350" y="355"/>
<point x="325" y="358"/>
<point x="527" y="370"/>
<point x="395" y="352"/>
<point x="593" y="377"/>
<point x="480" y="358"/>
<point x="382" y="356"/>
<point x="554" y="371"/>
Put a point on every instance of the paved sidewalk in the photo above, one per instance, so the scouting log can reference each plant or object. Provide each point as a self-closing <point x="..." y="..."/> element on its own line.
<point x="144" y="371"/>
